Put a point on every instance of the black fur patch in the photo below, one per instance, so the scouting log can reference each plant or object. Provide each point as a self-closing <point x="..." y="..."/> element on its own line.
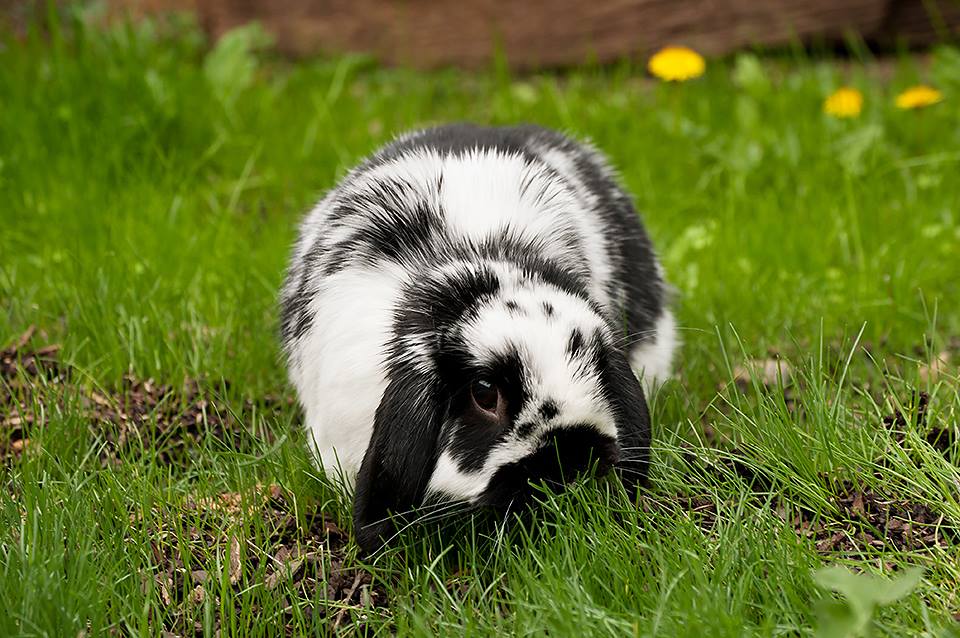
<point x="548" y="410"/>
<point x="432" y="306"/>
<point x="295" y="318"/>
<point x="461" y="138"/>
<point x="624" y="393"/>
<point x="395" y="223"/>
<point x="529" y="258"/>
<point x="636" y="279"/>
<point x="597" y="351"/>
<point x="524" y="429"/>
<point x="400" y="458"/>
<point x="576" y="344"/>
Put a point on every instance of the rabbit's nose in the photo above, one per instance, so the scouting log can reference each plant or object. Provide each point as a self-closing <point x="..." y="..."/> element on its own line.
<point x="562" y="455"/>
<point x="570" y="451"/>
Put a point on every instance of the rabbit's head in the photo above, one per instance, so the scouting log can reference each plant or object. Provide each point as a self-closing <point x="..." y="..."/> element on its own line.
<point x="497" y="377"/>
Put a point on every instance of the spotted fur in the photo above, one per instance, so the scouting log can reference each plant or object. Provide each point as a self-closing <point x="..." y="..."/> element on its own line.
<point x="461" y="251"/>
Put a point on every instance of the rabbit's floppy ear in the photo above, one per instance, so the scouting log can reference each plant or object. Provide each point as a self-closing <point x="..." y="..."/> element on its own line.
<point x="625" y="394"/>
<point x="400" y="457"/>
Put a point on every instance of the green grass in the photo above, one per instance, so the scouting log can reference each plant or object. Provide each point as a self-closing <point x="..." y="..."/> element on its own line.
<point x="150" y="190"/>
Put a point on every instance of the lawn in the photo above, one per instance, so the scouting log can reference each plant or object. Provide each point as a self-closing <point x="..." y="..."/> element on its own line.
<point x="154" y="474"/>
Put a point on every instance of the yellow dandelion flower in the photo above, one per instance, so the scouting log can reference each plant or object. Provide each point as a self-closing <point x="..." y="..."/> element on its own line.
<point x="918" y="96"/>
<point x="676" y="64"/>
<point x="844" y="102"/>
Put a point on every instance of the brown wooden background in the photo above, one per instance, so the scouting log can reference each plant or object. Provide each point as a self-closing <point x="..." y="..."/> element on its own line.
<point x="551" y="33"/>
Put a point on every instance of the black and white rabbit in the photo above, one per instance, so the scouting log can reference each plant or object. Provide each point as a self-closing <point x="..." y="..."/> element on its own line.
<point x="466" y="312"/>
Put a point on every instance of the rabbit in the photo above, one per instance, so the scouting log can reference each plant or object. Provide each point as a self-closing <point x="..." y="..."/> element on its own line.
<point x="469" y="311"/>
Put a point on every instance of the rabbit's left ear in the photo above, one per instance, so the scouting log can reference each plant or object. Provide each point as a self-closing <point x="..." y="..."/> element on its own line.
<point x="400" y="458"/>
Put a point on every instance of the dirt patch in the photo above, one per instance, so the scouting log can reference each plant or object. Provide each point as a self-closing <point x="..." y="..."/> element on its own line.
<point x="171" y="423"/>
<point x="139" y="417"/>
<point x="864" y="521"/>
<point x="942" y="439"/>
<point x="303" y="562"/>
<point x="869" y="520"/>
<point x="22" y="371"/>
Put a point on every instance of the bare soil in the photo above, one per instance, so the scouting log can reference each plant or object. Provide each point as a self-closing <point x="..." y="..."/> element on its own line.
<point x="309" y="556"/>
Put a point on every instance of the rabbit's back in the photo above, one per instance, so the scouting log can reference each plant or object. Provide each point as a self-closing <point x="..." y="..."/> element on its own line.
<point x="462" y="192"/>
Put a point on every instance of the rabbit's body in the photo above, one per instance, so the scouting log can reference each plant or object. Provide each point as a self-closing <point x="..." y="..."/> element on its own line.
<point x="508" y="255"/>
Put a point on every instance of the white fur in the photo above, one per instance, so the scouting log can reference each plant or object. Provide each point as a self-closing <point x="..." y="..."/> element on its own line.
<point x="652" y="360"/>
<point x="340" y="372"/>
<point x="589" y="226"/>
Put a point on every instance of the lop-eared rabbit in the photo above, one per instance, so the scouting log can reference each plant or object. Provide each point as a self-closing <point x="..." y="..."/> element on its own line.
<point x="469" y="310"/>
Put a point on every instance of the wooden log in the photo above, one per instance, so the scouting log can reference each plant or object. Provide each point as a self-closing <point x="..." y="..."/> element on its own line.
<point x="537" y="33"/>
<point x="556" y="33"/>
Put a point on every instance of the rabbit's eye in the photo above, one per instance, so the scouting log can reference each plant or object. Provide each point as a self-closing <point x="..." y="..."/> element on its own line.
<point x="486" y="395"/>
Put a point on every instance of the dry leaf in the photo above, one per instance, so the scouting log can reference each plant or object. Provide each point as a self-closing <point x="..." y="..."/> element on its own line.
<point x="234" y="560"/>
<point x="767" y="371"/>
<point x="287" y="570"/>
<point x="157" y="554"/>
<point x="858" y="503"/>
<point x="46" y="351"/>
<point x="23" y="339"/>
<point x="930" y="372"/>
<point x="100" y="400"/>
<point x="164" y="583"/>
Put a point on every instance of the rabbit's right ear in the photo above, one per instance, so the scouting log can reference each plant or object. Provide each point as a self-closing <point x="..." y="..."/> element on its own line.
<point x="401" y="455"/>
<point x="633" y="422"/>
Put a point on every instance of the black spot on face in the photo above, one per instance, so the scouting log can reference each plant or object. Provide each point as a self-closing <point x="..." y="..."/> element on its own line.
<point x="524" y="429"/>
<point x="512" y="306"/>
<point x="548" y="308"/>
<point x="548" y="410"/>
